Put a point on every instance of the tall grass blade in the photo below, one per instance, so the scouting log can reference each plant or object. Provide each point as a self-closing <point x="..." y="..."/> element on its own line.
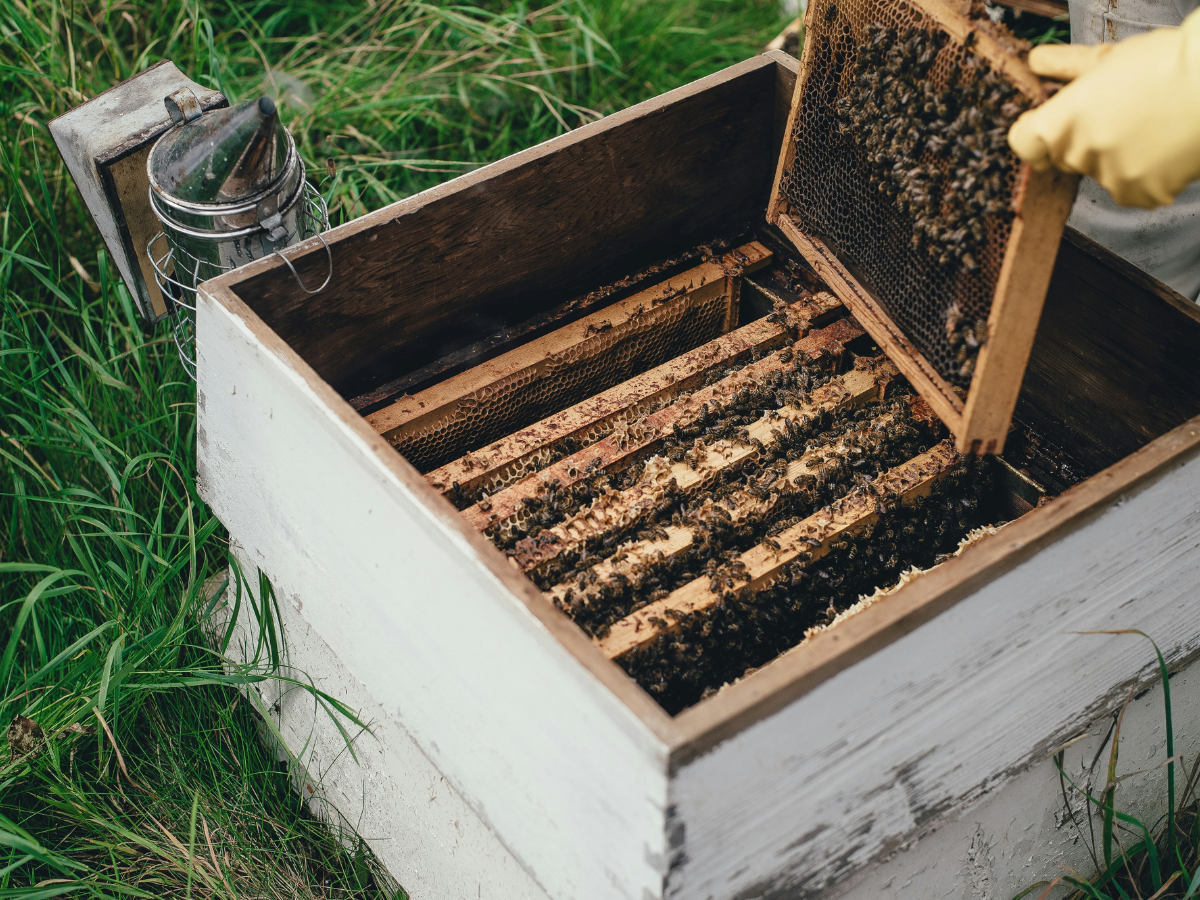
<point x="1170" y="728"/>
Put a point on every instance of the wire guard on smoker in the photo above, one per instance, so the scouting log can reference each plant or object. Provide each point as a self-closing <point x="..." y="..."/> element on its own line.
<point x="228" y="187"/>
<point x="179" y="272"/>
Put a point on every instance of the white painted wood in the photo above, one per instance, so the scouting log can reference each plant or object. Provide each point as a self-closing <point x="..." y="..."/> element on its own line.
<point x="569" y="779"/>
<point x="946" y="726"/>
<point x="1023" y="833"/>
<point x="130" y="115"/>
<point x="419" y="827"/>
<point x="948" y="713"/>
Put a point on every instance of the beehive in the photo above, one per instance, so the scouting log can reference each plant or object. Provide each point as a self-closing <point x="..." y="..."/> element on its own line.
<point x="510" y="754"/>
<point x="671" y="513"/>
<point x="897" y="183"/>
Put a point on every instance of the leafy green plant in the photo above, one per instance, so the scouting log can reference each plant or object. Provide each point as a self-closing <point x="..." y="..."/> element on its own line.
<point x="135" y="764"/>
<point x="1135" y="861"/>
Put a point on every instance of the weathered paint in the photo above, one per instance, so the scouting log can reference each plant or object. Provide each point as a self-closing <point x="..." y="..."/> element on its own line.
<point x="420" y="828"/>
<point x="937" y="719"/>
<point x="117" y="125"/>
<point x="572" y="781"/>
<point x="1023" y="833"/>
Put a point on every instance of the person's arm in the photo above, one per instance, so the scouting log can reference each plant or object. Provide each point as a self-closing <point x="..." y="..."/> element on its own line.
<point x="1130" y="118"/>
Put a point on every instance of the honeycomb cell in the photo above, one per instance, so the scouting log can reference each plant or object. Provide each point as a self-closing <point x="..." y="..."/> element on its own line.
<point x="605" y="358"/>
<point x="902" y="166"/>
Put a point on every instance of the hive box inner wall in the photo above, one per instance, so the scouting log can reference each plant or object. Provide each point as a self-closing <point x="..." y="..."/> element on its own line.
<point x="470" y="262"/>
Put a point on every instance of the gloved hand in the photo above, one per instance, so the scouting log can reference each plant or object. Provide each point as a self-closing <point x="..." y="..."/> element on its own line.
<point x="1130" y="118"/>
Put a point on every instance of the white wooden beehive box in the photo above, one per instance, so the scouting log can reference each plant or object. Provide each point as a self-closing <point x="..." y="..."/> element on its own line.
<point x="510" y="756"/>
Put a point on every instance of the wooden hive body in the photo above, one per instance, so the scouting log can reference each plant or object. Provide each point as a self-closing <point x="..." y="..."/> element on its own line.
<point x="510" y="755"/>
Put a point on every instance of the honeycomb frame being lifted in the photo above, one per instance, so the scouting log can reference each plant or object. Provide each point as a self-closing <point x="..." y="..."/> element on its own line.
<point x="939" y="241"/>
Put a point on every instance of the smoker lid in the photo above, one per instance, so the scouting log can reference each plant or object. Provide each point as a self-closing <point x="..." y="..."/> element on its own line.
<point x="223" y="156"/>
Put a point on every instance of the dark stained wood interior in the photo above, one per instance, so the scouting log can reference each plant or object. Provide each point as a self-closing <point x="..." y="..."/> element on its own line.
<point x="1115" y="363"/>
<point x="506" y="243"/>
<point x="1113" y="367"/>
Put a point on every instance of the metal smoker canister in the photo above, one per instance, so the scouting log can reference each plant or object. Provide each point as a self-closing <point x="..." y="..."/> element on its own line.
<point x="228" y="187"/>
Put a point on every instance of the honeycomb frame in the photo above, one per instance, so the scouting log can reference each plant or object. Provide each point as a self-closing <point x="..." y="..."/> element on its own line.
<point x="1023" y="258"/>
<point x="501" y="396"/>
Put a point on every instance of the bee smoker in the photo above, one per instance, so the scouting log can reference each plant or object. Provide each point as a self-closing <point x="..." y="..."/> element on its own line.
<point x="227" y="187"/>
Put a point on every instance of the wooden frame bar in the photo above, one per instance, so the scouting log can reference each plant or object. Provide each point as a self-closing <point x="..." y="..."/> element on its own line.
<point x="458" y="414"/>
<point x="643" y="437"/>
<point x="630" y="558"/>
<point x="984" y="45"/>
<point x="877" y="323"/>
<point x="622" y="512"/>
<point x="844" y="518"/>
<point x="1042" y="203"/>
<point x="1045" y="200"/>
<point x="517" y="455"/>
<point x="1050" y="9"/>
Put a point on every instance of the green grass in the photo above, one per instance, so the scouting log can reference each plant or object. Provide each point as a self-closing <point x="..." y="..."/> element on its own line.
<point x="149" y="778"/>
<point x="1133" y="859"/>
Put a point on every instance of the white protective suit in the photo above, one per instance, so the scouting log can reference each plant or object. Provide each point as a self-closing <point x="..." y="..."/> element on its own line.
<point x="1166" y="241"/>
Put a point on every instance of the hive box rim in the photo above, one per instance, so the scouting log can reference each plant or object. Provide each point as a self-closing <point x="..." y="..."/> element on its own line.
<point x="778" y="683"/>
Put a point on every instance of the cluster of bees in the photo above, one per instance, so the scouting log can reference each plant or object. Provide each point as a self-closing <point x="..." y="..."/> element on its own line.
<point x="937" y="150"/>
<point x="716" y="421"/>
<point x="749" y="628"/>
<point x="844" y="452"/>
<point x="857" y="444"/>
<point x="965" y="335"/>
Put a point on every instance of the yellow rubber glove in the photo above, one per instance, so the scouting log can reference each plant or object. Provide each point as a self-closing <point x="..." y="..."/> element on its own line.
<point x="1130" y="118"/>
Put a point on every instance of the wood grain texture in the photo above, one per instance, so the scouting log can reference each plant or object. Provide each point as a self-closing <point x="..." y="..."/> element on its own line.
<point x="777" y="204"/>
<point x="1046" y="200"/>
<point x="787" y="67"/>
<point x="499" y="245"/>
<point x="763" y="562"/>
<point x="1112" y="372"/>
<point x="374" y="544"/>
<point x="923" y="723"/>
<point x="128" y="179"/>
<point x="1114" y="362"/>
<point x="877" y="323"/>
